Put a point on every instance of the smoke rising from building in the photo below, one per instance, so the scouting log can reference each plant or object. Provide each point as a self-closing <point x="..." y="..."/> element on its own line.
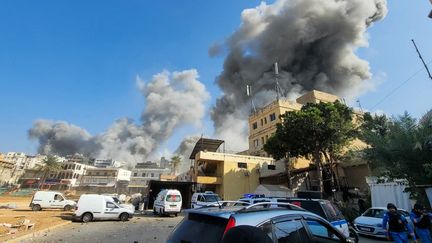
<point x="172" y="100"/>
<point x="314" y="43"/>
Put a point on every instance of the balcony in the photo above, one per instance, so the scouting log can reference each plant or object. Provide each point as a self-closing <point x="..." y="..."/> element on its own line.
<point x="212" y="180"/>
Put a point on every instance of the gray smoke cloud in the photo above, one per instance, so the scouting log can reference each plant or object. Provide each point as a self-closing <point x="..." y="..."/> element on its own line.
<point x="314" y="43"/>
<point x="184" y="150"/>
<point x="172" y="100"/>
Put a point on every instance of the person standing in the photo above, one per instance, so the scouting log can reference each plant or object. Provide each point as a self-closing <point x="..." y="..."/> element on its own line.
<point x="397" y="225"/>
<point x="422" y="223"/>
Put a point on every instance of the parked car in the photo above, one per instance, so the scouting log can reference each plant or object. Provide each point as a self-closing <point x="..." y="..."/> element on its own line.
<point x="200" y="199"/>
<point x="51" y="199"/>
<point x="99" y="207"/>
<point x="284" y="223"/>
<point x="323" y="208"/>
<point x="370" y="222"/>
<point x="168" y="201"/>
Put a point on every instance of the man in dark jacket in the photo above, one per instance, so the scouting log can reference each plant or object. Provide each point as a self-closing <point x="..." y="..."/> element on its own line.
<point x="397" y="225"/>
<point x="422" y="223"/>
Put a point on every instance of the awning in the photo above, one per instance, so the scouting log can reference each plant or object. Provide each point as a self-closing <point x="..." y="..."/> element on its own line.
<point x="206" y="144"/>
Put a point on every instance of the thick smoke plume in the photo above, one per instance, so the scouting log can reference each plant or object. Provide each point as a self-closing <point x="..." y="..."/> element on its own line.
<point x="172" y="100"/>
<point x="314" y="43"/>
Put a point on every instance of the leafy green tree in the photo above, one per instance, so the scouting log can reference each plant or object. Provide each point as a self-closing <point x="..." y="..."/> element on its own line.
<point x="318" y="131"/>
<point x="175" y="163"/>
<point x="50" y="164"/>
<point x="402" y="149"/>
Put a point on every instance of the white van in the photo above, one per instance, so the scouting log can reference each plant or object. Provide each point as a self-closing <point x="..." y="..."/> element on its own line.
<point x="200" y="199"/>
<point x="94" y="207"/>
<point x="50" y="199"/>
<point x="168" y="201"/>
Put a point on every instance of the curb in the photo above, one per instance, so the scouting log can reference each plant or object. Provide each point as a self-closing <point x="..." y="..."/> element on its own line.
<point x="37" y="233"/>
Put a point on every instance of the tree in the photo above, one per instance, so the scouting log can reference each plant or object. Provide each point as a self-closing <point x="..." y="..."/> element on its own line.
<point x="318" y="131"/>
<point x="50" y="164"/>
<point x="402" y="150"/>
<point x="175" y="162"/>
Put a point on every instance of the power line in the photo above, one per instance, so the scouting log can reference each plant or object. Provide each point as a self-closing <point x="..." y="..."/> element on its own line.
<point x="398" y="87"/>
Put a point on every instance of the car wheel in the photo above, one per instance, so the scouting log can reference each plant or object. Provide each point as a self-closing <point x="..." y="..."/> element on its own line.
<point x="175" y="214"/>
<point x="87" y="217"/>
<point x="36" y="207"/>
<point x="124" y="217"/>
<point x="67" y="208"/>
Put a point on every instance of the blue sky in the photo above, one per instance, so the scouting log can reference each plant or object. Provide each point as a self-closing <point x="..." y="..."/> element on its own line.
<point x="77" y="60"/>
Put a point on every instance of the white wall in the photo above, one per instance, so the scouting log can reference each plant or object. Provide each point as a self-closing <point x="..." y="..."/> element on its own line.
<point x="389" y="192"/>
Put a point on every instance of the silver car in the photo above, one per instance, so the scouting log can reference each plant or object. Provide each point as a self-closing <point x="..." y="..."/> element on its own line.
<point x="285" y="223"/>
<point x="370" y="222"/>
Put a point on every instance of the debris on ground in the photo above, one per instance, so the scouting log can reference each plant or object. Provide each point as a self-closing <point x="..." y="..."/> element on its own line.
<point x="8" y="206"/>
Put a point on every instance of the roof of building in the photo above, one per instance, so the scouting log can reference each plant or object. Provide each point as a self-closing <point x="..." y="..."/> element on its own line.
<point x="206" y="144"/>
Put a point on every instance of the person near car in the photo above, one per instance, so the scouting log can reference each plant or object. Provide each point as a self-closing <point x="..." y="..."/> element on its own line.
<point x="245" y="234"/>
<point x="422" y="223"/>
<point x="397" y="225"/>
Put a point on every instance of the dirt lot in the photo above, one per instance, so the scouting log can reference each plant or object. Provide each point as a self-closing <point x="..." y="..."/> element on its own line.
<point x="41" y="219"/>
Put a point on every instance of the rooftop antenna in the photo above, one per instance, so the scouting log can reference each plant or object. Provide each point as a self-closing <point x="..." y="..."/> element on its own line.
<point x="421" y="58"/>
<point x="278" y="88"/>
<point x="361" y="109"/>
<point x="249" y="94"/>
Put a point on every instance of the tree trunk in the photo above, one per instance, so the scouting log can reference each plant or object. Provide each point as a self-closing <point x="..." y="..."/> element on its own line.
<point x="317" y="159"/>
<point x="43" y="180"/>
<point x="287" y="168"/>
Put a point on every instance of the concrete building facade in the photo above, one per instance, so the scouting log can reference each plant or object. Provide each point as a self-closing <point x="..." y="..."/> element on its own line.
<point x="229" y="175"/>
<point x="262" y="123"/>
<point x="108" y="177"/>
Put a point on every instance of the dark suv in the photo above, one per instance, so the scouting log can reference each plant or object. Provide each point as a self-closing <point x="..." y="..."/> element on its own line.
<point x="285" y="223"/>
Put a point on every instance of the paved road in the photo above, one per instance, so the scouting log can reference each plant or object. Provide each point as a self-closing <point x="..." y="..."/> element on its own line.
<point x="142" y="229"/>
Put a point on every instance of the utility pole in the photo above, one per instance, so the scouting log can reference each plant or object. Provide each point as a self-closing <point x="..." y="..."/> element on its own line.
<point x="278" y="89"/>
<point x="421" y="58"/>
<point x="249" y="94"/>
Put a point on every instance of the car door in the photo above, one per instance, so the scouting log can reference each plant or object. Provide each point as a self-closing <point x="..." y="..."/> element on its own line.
<point x="323" y="232"/>
<point x="57" y="201"/>
<point x="290" y="229"/>
<point x="112" y="211"/>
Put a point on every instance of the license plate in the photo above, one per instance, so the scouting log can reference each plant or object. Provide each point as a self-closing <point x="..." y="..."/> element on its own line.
<point x="365" y="229"/>
<point x="173" y="206"/>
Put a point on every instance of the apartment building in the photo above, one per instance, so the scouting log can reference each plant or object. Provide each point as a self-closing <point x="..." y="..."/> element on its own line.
<point x="106" y="177"/>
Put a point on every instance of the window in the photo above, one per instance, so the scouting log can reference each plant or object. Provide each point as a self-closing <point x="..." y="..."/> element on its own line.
<point x="256" y="143"/>
<point x="135" y="174"/>
<point x="267" y="229"/>
<point x="290" y="231"/>
<point x="262" y="140"/>
<point x="242" y="165"/>
<point x="322" y="232"/>
<point x="97" y="173"/>
<point x="265" y="120"/>
<point x="58" y="197"/>
<point x="105" y="173"/>
<point x="262" y="122"/>
<point x="271" y="167"/>
<point x="152" y="174"/>
<point x="143" y="174"/>
<point x="254" y="125"/>
<point x="272" y="117"/>
<point x="110" y="205"/>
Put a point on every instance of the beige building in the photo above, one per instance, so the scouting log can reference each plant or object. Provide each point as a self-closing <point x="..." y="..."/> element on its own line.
<point x="229" y="175"/>
<point x="262" y="124"/>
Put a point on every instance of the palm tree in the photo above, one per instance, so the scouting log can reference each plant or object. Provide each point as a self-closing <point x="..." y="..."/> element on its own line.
<point x="175" y="162"/>
<point x="50" y="164"/>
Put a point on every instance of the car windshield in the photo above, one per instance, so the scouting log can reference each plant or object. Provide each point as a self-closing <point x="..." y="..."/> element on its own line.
<point x="374" y="213"/>
<point x="211" y="198"/>
<point x="173" y="198"/>
<point x="206" y="228"/>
